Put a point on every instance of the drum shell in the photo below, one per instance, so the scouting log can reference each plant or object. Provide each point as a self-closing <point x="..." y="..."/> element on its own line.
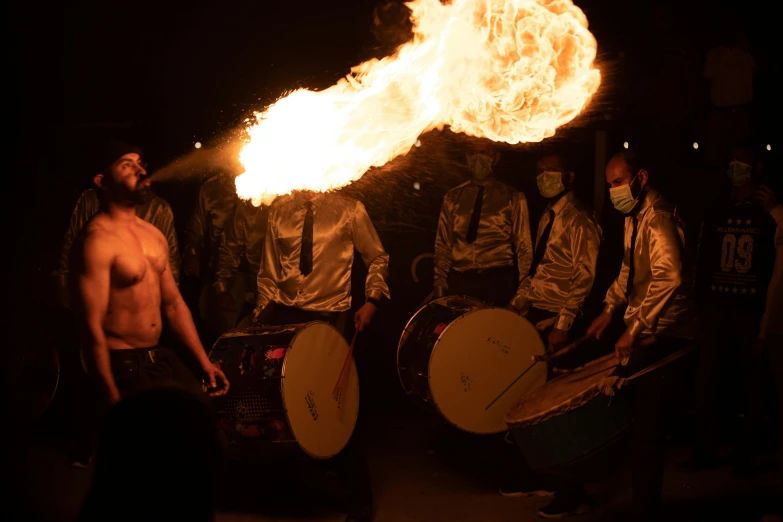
<point x="253" y="415"/>
<point x="415" y="350"/>
<point x="579" y="442"/>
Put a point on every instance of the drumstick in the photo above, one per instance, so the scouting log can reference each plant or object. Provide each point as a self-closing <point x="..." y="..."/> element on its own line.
<point x="345" y="363"/>
<point x="559" y="353"/>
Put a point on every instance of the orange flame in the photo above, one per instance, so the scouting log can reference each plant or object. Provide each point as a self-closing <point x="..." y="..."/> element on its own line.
<point x="508" y="70"/>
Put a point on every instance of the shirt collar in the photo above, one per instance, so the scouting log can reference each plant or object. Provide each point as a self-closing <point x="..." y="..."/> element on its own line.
<point x="561" y="202"/>
<point x="647" y="200"/>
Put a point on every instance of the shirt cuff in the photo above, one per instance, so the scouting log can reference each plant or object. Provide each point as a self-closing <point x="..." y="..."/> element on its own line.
<point x="374" y="294"/>
<point x="635" y="328"/>
<point x="564" y="322"/>
<point x="518" y="302"/>
<point x="221" y="286"/>
<point x="609" y="308"/>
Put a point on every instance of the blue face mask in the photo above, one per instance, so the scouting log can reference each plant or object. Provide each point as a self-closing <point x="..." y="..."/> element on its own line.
<point x="622" y="197"/>
<point x="739" y="173"/>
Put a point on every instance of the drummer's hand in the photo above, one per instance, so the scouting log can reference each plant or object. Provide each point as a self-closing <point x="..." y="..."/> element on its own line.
<point x="557" y="339"/>
<point x="599" y="325"/>
<point x="624" y="346"/>
<point x="214" y="374"/>
<point x="364" y="315"/>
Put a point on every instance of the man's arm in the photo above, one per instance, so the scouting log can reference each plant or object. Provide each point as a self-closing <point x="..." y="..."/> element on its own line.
<point x="181" y="323"/>
<point x="775" y="287"/>
<point x="523" y="244"/>
<point x="165" y="223"/>
<point x="195" y="232"/>
<point x="94" y="284"/>
<point x="85" y="208"/>
<point x="179" y="317"/>
<point x="444" y="242"/>
<point x="269" y="272"/>
<point x="367" y="242"/>
<point x="666" y="267"/>
<point x="615" y="295"/>
<point x="585" y="244"/>
<point x="232" y="247"/>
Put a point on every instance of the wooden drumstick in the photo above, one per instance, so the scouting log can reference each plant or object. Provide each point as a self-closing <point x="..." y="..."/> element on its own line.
<point x="559" y="353"/>
<point x="345" y="363"/>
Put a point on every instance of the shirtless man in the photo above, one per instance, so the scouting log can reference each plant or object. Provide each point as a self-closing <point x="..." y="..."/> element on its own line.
<point x="125" y="288"/>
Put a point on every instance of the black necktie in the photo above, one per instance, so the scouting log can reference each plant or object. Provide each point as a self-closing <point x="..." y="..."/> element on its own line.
<point x="306" y="255"/>
<point x="476" y="216"/>
<point x="541" y="246"/>
<point x="631" y="270"/>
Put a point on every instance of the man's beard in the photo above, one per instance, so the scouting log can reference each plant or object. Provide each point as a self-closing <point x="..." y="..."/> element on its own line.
<point x="123" y="195"/>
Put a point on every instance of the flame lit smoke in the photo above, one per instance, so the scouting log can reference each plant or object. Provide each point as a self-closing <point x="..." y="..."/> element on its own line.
<point x="508" y="70"/>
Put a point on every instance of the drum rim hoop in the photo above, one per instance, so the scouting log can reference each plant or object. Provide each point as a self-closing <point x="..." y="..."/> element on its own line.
<point x="577" y="401"/>
<point x="405" y="329"/>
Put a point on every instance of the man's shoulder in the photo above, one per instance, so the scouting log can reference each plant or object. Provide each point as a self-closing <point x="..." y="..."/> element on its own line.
<point x="579" y="211"/>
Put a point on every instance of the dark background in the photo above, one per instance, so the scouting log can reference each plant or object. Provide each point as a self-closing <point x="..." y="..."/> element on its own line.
<point x="179" y="72"/>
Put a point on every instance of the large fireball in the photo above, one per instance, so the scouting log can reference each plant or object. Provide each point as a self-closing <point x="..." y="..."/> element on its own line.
<point x="508" y="70"/>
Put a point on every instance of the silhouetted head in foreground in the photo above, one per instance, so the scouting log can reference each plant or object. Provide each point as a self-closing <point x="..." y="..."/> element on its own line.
<point x="157" y="460"/>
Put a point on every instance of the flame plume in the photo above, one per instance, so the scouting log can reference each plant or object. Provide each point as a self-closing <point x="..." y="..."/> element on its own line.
<point x="508" y="70"/>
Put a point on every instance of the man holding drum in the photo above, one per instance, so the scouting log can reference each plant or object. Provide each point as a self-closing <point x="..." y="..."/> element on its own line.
<point x="484" y="228"/>
<point x="561" y="277"/>
<point x="651" y="292"/>
<point x="306" y="276"/>
<point x="564" y="263"/>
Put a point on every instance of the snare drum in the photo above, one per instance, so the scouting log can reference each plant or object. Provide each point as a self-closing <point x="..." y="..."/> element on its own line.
<point x="281" y="396"/>
<point x="568" y="418"/>
<point x="457" y="355"/>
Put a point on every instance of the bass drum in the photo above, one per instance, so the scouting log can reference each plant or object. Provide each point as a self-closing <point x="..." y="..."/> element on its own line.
<point x="281" y="397"/>
<point x="462" y="359"/>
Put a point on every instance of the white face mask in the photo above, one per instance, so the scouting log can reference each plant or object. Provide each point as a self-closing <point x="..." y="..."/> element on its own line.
<point x="550" y="183"/>
<point x="622" y="197"/>
<point x="480" y="165"/>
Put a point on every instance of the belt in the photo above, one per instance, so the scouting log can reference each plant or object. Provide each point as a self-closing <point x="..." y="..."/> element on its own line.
<point x="136" y="354"/>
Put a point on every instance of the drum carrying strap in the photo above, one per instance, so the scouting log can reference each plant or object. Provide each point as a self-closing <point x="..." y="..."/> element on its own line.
<point x="611" y="383"/>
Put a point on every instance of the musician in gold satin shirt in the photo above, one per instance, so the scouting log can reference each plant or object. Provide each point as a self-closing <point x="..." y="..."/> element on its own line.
<point x="239" y="257"/>
<point x="565" y="257"/>
<point x="653" y="294"/>
<point x="483" y="232"/>
<point x="305" y="276"/>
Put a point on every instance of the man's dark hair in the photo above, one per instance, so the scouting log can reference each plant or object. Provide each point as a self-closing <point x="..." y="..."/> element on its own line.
<point x="635" y="160"/>
<point x="565" y="159"/>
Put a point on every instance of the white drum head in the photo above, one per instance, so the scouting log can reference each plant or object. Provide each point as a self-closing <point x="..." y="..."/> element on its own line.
<point x="475" y="358"/>
<point x="320" y="424"/>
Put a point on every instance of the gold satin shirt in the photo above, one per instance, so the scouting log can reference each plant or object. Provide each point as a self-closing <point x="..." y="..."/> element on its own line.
<point x="155" y="211"/>
<point x="503" y="232"/>
<point x="566" y="272"/>
<point x="242" y="239"/>
<point x="217" y="200"/>
<point x="659" y="302"/>
<point x="340" y="224"/>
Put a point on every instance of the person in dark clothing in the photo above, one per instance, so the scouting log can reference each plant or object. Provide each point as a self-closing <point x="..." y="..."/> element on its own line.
<point x="735" y="262"/>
